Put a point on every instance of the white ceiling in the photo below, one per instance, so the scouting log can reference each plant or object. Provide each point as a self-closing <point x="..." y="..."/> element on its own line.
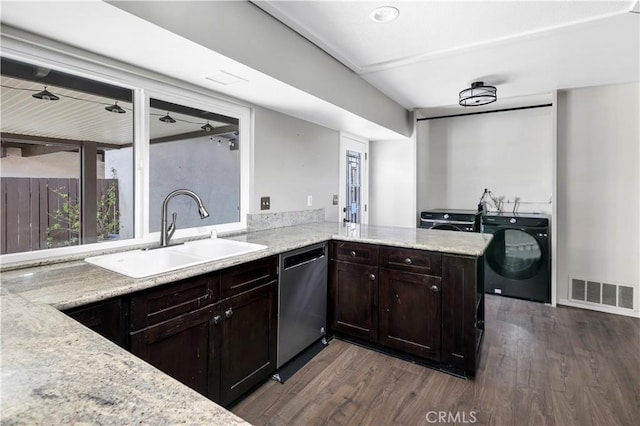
<point x="434" y="49"/>
<point x="422" y="60"/>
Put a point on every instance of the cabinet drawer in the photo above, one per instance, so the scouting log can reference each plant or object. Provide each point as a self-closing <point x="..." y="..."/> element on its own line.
<point x="248" y="275"/>
<point x="155" y="305"/>
<point x="418" y="261"/>
<point x="354" y="252"/>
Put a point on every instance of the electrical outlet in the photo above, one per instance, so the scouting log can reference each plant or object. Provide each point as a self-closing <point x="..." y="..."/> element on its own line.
<point x="265" y="203"/>
<point x="335" y="199"/>
<point x="309" y="200"/>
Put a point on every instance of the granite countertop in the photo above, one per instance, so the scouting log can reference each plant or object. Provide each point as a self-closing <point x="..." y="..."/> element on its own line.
<point x="70" y="284"/>
<point x="55" y="371"/>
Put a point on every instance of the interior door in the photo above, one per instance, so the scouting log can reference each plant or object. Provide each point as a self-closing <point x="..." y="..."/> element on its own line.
<point x="354" y="179"/>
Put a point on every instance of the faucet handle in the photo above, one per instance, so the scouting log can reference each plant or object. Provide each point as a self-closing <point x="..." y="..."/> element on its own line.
<point x="172" y="227"/>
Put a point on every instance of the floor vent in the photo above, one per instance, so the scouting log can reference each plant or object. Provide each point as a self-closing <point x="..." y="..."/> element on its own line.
<point x="602" y="293"/>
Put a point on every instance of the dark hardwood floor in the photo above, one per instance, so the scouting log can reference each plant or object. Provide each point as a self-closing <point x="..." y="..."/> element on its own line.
<point x="539" y="366"/>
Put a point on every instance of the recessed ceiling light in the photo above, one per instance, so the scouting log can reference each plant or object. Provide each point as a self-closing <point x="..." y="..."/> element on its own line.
<point x="384" y="14"/>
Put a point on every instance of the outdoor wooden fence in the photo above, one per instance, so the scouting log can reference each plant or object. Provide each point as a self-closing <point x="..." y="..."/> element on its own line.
<point x="32" y="206"/>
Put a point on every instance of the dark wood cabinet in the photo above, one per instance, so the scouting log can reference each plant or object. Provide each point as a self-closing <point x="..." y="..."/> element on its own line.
<point x="353" y="291"/>
<point x="462" y="310"/>
<point x="410" y="313"/>
<point x="215" y="333"/>
<point x="184" y="348"/>
<point x="248" y="349"/>
<point x="107" y="318"/>
<point x="426" y="304"/>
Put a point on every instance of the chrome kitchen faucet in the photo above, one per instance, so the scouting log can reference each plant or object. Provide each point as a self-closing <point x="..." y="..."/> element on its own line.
<point x="167" y="233"/>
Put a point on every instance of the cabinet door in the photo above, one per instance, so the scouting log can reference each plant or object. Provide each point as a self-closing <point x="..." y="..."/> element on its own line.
<point x="108" y="319"/>
<point x="248" y="341"/>
<point x="460" y="304"/>
<point x="354" y="300"/>
<point x="182" y="347"/>
<point x="410" y="313"/>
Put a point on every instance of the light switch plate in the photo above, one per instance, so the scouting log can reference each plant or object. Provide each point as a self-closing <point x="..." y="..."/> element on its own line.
<point x="265" y="203"/>
<point x="335" y="199"/>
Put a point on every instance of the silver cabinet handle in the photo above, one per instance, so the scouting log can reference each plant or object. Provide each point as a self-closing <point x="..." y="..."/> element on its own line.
<point x="372" y="277"/>
<point x="228" y="313"/>
<point x="408" y="261"/>
<point x="353" y="253"/>
<point x="217" y="319"/>
<point x="434" y="288"/>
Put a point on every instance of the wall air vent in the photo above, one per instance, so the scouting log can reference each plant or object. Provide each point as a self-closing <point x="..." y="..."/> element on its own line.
<point x="595" y="292"/>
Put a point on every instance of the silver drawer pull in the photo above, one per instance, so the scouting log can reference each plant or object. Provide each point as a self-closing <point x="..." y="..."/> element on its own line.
<point x="434" y="288"/>
<point x="408" y="261"/>
<point x="353" y="253"/>
<point x="228" y="313"/>
<point x="217" y="319"/>
<point x="372" y="277"/>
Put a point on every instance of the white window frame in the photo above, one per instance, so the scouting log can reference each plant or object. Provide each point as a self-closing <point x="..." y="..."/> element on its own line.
<point x="144" y="85"/>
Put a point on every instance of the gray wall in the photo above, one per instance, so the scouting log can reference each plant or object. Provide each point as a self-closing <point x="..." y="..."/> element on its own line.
<point x="245" y="33"/>
<point x="292" y="160"/>
<point x="210" y="170"/>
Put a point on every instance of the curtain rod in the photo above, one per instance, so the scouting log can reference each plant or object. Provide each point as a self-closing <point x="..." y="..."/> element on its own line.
<point x="486" y="112"/>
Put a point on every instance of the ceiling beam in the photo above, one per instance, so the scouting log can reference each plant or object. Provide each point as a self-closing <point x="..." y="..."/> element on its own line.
<point x="195" y="134"/>
<point x="41" y="140"/>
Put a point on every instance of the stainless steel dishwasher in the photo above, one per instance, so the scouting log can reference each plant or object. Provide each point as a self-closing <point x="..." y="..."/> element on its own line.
<point x="302" y="294"/>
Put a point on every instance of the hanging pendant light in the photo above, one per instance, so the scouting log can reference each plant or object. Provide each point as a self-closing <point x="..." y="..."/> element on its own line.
<point x="478" y="94"/>
<point x="207" y="127"/>
<point x="115" y="108"/>
<point x="45" y="95"/>
<point x="167" y="119"/>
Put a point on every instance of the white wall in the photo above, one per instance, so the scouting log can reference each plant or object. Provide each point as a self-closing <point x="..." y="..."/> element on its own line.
<point x="510" y="153"/>
<point x="599" y="186"/>
<point x="392" y="183"/>
<point x="292" y="160"/>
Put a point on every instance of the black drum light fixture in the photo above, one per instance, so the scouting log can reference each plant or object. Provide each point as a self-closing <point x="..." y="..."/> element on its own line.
<point x="207" y="127"/>
<point x="45" y="95"/>
<point x="478" y="94"/>
<point x="167" y="119"/>
<point x="115" y="108"/>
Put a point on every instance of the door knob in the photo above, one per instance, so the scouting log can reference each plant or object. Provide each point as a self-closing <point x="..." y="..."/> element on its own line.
<point x="228" y="313"/>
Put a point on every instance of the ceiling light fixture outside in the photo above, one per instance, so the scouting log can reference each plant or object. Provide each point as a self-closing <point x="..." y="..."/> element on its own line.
<point x="478" y="94"/>
<point x="167" y="119"/>
<point x="115" y="108"/>
<point x="384" y="14"/>
<point x="207" y="127"/>
<point x="45" y="95"/>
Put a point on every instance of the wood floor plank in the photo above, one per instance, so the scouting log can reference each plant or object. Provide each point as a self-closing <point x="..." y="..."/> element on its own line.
<point x="538" y="366"/>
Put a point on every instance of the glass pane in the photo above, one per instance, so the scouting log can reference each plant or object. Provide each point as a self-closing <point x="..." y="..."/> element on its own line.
<point x="49" y="119"/>
<point x="196" y="150"/>
<point x="353" y="187"/>
<point x="514" y="254"/>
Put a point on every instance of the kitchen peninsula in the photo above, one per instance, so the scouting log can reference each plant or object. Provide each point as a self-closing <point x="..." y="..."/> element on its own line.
<point x="54" y="368"/>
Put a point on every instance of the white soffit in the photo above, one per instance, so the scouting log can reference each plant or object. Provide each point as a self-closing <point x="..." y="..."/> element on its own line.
<point x="98" y="27"/>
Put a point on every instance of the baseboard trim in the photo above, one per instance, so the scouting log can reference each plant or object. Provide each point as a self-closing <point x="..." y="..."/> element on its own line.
<point x="599" y="307"/>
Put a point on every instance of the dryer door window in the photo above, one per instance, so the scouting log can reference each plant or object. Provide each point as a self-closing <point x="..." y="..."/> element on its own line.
<point x="514" y="254"/>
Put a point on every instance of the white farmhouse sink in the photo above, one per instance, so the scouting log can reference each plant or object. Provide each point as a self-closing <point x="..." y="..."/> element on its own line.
<point x="145" y="263"/>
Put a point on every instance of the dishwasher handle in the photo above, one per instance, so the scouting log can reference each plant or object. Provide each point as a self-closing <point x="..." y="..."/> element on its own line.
<point x="303" y="258"/>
